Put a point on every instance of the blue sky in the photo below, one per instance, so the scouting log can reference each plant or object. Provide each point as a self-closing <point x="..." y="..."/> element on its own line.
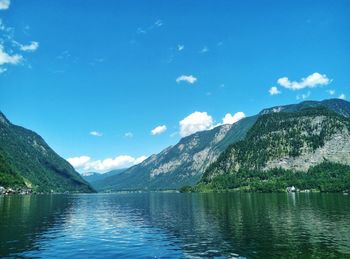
<point x="120" y="69"/>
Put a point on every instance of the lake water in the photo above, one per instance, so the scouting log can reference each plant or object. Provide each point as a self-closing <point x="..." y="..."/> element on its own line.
<point x="246" y="225"/>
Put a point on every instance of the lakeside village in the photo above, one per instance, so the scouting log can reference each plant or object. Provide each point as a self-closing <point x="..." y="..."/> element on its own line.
<point x="17" y="190"/>
<point x="24" y="191"/>
<point x="28" y="191"/>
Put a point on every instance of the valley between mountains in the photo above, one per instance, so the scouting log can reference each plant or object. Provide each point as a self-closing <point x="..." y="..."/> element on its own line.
<point x="306" y="145"/>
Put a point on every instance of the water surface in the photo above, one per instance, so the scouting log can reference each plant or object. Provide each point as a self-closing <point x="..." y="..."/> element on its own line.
<point x="247" y="225"/>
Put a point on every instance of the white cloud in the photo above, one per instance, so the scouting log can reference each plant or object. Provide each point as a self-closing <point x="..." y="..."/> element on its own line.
<point x="140" y="160"/>
<point x="342" y="96"/>
<point x="180" y="47"/>
<point x="199" y="121"/>
<point x="331" y="92"/>
<point x="189" y="79"/>
<point x="230" y="119"/>
<point x="96" y="133"/>
<point x="78" y="162"/>
<point x="6" y="58"/>
<point x="194" y="122"/>
<point x="4" y="4"/>
<point x="110" y="163"/>
<point x="128" y="135"/>
<point x="86" y="164"/>
<point x="9" y="56"/>
<point x="33" y="46"/>
<point x="274" y="91"/>
<point x="313" y="80"/>
<point x="158" y="130"/>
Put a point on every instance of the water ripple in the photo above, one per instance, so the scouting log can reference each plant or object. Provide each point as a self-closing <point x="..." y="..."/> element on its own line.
<point x="172" y="225"/>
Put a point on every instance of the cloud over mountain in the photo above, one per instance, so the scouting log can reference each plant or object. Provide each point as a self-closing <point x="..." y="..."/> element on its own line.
<point x="85" y="163"/>
<point x="311" y="81"/>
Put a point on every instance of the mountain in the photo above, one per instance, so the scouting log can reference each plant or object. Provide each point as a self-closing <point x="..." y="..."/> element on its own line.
<point x="26" y="160"/>
<point x="8" y="176"/>
<point x="308" y="139"/>
<point x="92" y="176"/>
<point x="185" y="163"/>
<point x="99" y="180"/>
<point x="182" y="164"/>
<point x="339" y="106"/>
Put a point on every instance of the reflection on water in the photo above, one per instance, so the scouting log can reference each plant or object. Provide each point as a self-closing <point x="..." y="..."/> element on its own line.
<point x="175" y="225"/>
<point x="23" y="219"/>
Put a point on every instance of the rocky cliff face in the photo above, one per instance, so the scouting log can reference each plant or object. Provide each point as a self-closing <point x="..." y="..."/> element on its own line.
<point x="191" y="152"/>
<point x="295" y="141"/>
<point x="336" y="150"/>
<point x="182" y="164"/>
<point x="185" y="163"/>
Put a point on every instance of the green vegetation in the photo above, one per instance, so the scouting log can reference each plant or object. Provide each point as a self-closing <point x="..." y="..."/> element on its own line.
<point x="25" y="158"/>
<point x="244" y="149"/>
<point x="279" y="135"/>
<point x="325" y="177"/>
<point x="8" y="177"/>
<point x="242" y="166"/>
<point x="102" y="182"/>
<point x="186" y="171"/>
<point x="339" y="106"/>
<point x="186" y="188"/>
<point x="185" y="163"/>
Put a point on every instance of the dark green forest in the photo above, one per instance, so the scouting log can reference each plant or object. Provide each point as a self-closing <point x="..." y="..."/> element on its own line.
<point x="276" y="135"/>
<point x="27" y="161"/>
<point x="8" y="177"/>
<point x="325" y="177"/>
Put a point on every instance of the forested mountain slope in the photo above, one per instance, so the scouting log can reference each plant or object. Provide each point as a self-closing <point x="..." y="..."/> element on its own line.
<point x="26" y="160"/>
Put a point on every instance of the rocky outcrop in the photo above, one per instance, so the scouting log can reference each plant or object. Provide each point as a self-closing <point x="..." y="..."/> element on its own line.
<point x="185" y="163"/>
<point x="289" y="140"/>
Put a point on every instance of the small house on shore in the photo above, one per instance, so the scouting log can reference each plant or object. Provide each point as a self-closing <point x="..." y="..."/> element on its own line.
<point x="291" y="189"/>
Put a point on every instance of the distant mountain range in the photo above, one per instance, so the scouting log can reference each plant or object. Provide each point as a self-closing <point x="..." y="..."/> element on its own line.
<point x="295" y="147"/>
<point x="100" y="181"/>
<point x="27" y="161"/>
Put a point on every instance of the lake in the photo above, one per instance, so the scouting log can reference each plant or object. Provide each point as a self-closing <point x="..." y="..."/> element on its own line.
<point x="172" y="225"/>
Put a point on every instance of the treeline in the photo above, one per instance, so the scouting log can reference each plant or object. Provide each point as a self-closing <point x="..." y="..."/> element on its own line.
<point x="325" y="177"/>
<point x="8" y="177"/>
<point x="279" y="135"/>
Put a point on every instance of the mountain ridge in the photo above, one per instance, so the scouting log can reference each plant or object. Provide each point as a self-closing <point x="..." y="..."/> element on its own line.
<point x="186" y="162"/>
<point x="40" y="167"/>
<point x="99" y="180"/>
<point x="309" y="149"/>
<point x="337" y="105"/>
<point x="183" y="163"/>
